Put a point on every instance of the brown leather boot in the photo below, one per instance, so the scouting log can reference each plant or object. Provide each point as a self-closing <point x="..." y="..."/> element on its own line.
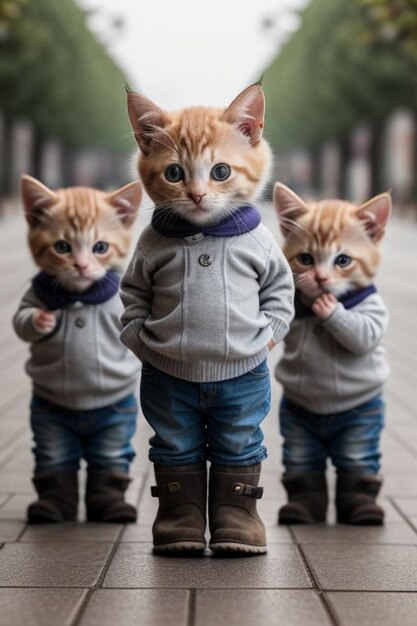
<point x="355" y="500"/>
<point x="58" y="498"/>
<point x="180" y="523"/>
<point x="235" y="525"/>
<point x="307" y="499"/>
<point x="104" y="498"/>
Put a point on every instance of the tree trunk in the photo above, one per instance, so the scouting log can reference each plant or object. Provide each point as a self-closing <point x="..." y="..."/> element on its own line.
<point x="376" y="159"/>
<point x="37" y="153"/>
<point x="6" y="158"/>
<point x="344" y="162"/>
<point x="68" y="157"/>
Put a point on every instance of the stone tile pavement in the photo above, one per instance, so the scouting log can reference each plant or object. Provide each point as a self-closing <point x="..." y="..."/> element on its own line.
<point x="95" y="574"/>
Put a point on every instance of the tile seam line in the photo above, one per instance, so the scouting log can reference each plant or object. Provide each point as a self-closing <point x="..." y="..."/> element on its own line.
<point x="328" y="609"/>
<point x="191" y="607"/>
<point x="307" y="589"/>
<point x="83" y="605"/>
<point x="115" y="546"/>
<point x="318" y="592"/>
<point x="402" y="442"/>
<point x="9" y="496"/>
<point x="5" y="443"/>
<point x="403" y="515"/>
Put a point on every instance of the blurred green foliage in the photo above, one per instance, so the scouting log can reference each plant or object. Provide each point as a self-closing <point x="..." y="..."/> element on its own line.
<point x="337" y="70"/>
<point x="392" y="21"/>
<point x="9" y="10"/>
<point x="55" y="72"/>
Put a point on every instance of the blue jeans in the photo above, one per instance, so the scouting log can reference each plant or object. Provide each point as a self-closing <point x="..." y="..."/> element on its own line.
<point x="101" y="436"/>
<point x="194" y="422"/>
<point x="350" y="438"/>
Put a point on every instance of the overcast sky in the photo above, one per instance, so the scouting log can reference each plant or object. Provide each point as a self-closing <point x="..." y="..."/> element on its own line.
<point x="185" y="52"/>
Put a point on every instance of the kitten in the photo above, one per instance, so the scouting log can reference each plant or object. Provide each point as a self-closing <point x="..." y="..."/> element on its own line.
<point x="202" y="163"/>
<point x="78" y="233"/>
<point x="84" y="380"/>
<point x="332" y="245"/>
<point x="206" y="293"/>
<point x="334" y="368"/>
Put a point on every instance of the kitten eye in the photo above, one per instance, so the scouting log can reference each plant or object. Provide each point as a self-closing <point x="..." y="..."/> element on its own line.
<point x="174" y="173"/>
<point x="220" y="172"/>
<point x="342" y="260"/>
<point x="62" y="247"/>
<point x="100" y="247"/>
<point x="306" y="259"/>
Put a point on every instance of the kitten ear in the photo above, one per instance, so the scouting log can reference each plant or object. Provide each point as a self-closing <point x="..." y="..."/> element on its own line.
<point x="146" y="118"/>
<point x="36" y="199"/>
<point x="126" y="200"/>
<point x="288" y="206"/>
<point x="375" y="214"/>
<point x="247" y="113"/>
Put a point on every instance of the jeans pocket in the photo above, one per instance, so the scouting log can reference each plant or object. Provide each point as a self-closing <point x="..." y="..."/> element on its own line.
<point x="260" y="371"/>
<point x="40" y="406"/>
<point x="126" y="406"/>
<point x="148" y="369"/>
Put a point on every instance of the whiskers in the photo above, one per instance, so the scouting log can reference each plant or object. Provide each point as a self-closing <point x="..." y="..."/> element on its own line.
<point x="291" y="225"/>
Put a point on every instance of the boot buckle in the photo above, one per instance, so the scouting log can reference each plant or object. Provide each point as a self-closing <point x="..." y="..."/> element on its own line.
<point x="164" y="490"/>
<point x="241" y="489"/>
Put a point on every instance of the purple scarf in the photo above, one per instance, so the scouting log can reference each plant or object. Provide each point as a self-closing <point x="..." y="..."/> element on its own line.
<point x="54" y="296"/>
<point x="348" y="299"/>
<point x="244" y="219"/>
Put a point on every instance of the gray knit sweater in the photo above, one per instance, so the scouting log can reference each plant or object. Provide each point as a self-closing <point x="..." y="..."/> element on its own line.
<point x="82" y="364"/>
<point x="338" y="364"/>
<point x="203" y="308"/>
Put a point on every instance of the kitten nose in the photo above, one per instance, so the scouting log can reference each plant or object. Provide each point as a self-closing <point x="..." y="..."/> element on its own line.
<point x="196" y="197"/>
<point x="81" y="267"/>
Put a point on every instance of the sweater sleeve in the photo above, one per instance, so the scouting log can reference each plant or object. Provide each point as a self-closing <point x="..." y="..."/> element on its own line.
<point x="276" y="294"/>
<point x="22" y="319"/>
<point x="359" y="330"/>
<point x="136" y="295"/>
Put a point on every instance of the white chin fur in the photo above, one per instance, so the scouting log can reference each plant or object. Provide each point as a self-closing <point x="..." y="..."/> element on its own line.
<point x="80" y="283"/>
<point x="203" y="216"/>
<point x="339" y="290"/>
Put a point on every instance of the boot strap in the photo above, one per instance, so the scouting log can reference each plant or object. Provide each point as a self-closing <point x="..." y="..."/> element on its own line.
<point x="242" y="489"/>
<point x="164" y="490"/>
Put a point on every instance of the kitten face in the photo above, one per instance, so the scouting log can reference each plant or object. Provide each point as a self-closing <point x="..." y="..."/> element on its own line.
<point x="334" y="242"/>
<point x="202" y="163"/>
<point x="78" y="233"/>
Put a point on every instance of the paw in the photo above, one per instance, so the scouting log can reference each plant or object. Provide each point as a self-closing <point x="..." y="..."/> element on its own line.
<point x="324" y="306"/>
<point x="44" y="321"/>
<point x="271" y="345"/>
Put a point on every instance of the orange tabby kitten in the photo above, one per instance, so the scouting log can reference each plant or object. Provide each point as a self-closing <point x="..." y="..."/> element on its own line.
<point x="84" y="219"/>
<point x="84" y="380"/>
<point x="333" y="368"/>
<point x="206" y="292"/>
<point x="332" y="245"/>
<point x="202" y="162"/>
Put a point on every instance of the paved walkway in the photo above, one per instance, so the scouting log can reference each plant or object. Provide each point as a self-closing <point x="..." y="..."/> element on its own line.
<point x="106" y="575"/>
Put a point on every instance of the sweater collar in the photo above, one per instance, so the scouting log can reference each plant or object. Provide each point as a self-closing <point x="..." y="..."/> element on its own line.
<point x="54" y="296"/>
<point x="348" y="299"/>
<point x="241" y="221"/>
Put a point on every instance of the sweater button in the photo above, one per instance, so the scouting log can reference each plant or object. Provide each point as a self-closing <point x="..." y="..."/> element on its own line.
<point x="204" y="260"/>
<point x="318" y="329"/>
<point x="80" y="322"/>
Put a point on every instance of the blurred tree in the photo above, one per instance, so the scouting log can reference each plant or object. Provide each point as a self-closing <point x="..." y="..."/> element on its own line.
<point x="332" y="75"/>
<point x="9" y="10"/>
<point x="55" y="73"/>
<point x="392" y="22"/>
